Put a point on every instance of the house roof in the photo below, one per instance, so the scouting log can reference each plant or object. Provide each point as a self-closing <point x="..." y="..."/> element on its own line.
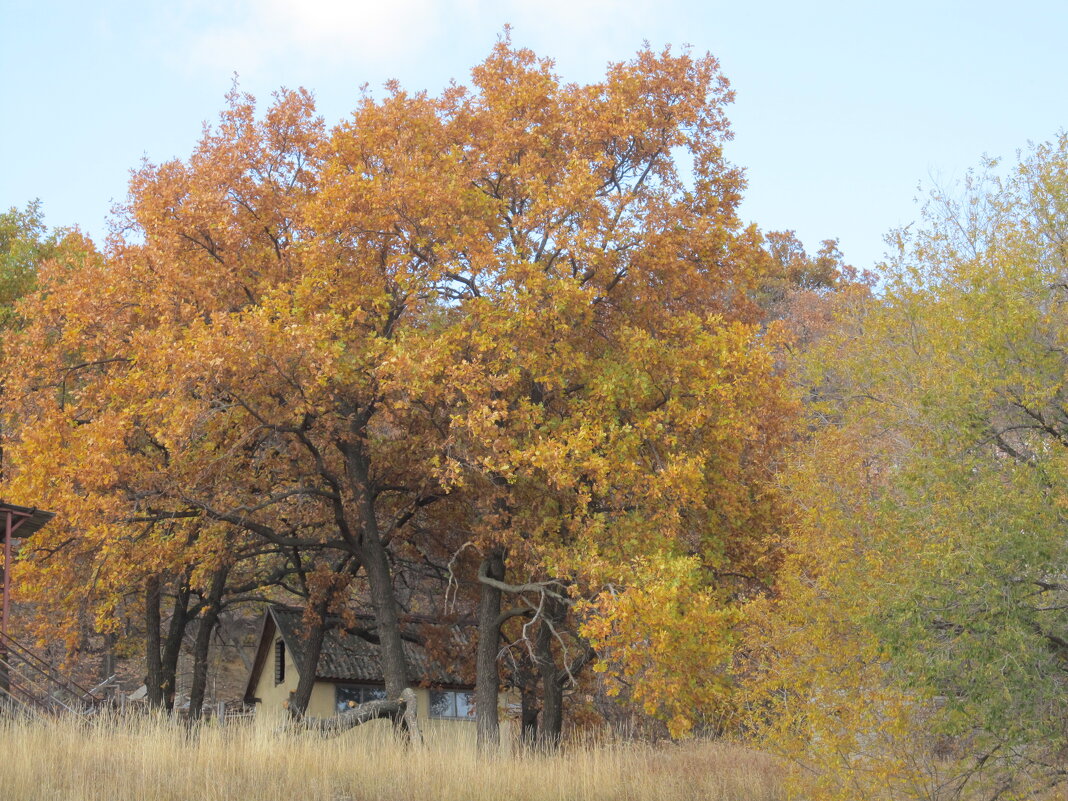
<point x="349" y="655"/>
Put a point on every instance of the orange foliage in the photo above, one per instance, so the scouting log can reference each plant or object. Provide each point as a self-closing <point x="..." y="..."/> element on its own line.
<point x="364" y="339"/>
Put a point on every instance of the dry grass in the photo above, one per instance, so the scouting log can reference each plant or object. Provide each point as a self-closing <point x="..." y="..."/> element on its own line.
<point x="156" y="760"/>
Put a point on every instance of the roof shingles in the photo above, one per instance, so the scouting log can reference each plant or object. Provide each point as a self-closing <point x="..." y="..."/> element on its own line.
<point x="349" y="657"/>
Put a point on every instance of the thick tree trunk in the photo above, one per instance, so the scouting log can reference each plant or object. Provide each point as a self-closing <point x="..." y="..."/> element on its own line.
<point x="552" y="714"/>
<point x="384" y="603"/>
<point x="209" y="616"/>
<point x="487" y="677"/>
<point x="375" y="562"/>
<point x="172" y="647"/>
<point x="161" y="656"/>
<point x="313" y="646"/>
<point x="552" y="691"/>
<point x="528" y="703"/>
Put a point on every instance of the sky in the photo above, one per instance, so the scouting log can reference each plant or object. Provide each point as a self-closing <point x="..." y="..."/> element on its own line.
<point x="843" y="110"/>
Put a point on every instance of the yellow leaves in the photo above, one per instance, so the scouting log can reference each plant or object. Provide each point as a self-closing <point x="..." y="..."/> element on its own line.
<point x="925" y="495"/>
<point x="668" y="638"/>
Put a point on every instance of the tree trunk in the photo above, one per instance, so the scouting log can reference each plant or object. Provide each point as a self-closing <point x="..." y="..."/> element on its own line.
<point x="153" y="658"/>
<point x="384" y="603"/>
<point x="552" y="713"/>
<point x="209" y="616"/>
<point x="528" y="703"/>
<point x="375" y="561"/>
<point x="161" y="657"/>
<point x="552" y="691"/>
<point x="172" y="647"/>
<point x="487" y="677"/>
<point x="109" y="663"/>
<point x="313" y="646"/>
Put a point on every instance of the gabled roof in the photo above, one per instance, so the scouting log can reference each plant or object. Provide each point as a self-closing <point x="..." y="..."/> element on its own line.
<point x="349" y="655"/>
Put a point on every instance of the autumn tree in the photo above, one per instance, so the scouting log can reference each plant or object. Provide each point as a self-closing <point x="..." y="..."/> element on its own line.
<point x="518" y="320"/>
<point x="225" y="368"/>
<point x="100" y="409"/>
<point x="25" y="244"/>
<point x="928" y="539"/>
<point x="606" y="362"/>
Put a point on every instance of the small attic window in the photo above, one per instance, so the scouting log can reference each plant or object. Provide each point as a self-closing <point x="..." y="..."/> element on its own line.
<point x="279" y="662"/>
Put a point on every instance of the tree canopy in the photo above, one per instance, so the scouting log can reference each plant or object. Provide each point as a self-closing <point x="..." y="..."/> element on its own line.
<point x="520" y="320"/>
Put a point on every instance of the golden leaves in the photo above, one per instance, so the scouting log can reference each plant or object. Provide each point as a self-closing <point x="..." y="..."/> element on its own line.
<point x="504" y="297"/>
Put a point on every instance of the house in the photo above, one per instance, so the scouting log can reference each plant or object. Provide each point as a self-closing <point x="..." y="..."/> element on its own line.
<point x="348" y="673"/>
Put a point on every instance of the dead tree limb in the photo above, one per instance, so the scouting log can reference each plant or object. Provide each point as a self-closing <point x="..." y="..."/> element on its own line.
<point x="404" y="709"/>
<point x="542" y="587"/>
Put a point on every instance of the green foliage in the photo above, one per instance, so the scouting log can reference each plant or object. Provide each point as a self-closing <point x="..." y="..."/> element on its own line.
<point x="974" y="384"/>
<point x="24" y="241"/>
<point x="928" y="543"/>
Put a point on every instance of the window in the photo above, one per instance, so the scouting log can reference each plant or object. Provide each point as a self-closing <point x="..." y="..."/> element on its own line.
<point x="347" y="696"/>
<point x="279" y="662"/>
<point x="452" y="705"/>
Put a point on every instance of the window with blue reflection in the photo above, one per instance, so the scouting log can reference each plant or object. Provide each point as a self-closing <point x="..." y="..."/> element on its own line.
<point x="346" y="696"/>
<point x="452" y="705"/>
<point x="465" y="705"/>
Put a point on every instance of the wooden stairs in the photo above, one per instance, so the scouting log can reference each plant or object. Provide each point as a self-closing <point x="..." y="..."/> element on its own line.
<point x="31" y="686"/>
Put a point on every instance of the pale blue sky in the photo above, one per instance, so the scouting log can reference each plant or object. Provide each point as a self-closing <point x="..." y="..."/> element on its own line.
<point x="842" y="108"/>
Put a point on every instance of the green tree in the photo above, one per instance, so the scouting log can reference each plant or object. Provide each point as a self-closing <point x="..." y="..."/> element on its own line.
<point x="930" y="504"/>
<point x="23" y="243"/>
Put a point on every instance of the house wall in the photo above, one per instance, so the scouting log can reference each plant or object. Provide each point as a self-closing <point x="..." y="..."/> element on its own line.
<point x="272" y="696"/>
<point x="322" y="704"/>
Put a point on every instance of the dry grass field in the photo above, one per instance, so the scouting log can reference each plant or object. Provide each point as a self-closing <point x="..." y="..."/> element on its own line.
<point x="157" y="760"/>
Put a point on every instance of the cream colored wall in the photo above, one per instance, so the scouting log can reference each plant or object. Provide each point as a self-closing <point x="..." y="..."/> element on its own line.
<point x="322" y="701"/>
<point x="272" y="696"/>
<point x="422" y="696"/>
